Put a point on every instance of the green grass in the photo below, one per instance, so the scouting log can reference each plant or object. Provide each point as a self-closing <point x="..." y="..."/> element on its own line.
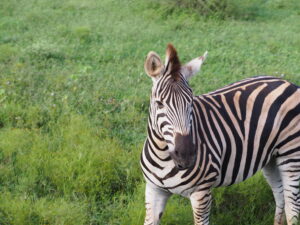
<point x="74" y="102"/>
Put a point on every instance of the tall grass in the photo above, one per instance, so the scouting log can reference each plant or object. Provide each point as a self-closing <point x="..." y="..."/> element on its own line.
<point x="58" y="170"/>
<point x="74" y="102"/>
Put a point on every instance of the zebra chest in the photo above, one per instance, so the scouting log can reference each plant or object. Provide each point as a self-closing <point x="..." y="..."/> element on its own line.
<point x="161" y="171"/>
<point x="172" y="180"/>
<point x="183" y="182"/>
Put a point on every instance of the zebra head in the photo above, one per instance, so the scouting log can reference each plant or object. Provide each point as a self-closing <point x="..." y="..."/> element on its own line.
<point x="171" y="104"/>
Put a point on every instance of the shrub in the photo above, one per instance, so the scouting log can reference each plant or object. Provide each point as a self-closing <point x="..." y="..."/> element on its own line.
<point x="222" y="9"/>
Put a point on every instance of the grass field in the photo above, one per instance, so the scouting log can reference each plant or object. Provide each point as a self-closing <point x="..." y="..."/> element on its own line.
<point x="74" y="100"/>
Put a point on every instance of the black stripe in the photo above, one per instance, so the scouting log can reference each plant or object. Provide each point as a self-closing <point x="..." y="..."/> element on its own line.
<point x="268" y="126"/>
<point x="256" y="113"/>
<point x="148" y="157"/>
<point x="247" y="81"/>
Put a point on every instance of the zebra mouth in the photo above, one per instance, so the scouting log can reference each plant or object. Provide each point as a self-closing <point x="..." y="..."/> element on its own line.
<point x="179" y="167"/>
<point x="185" y="165"/>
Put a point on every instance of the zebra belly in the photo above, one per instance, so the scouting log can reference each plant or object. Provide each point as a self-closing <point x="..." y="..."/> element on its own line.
<point x="228" y="180"/>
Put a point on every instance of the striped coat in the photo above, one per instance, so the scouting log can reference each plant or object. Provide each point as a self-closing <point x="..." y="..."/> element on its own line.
<point x="233" y="132"/>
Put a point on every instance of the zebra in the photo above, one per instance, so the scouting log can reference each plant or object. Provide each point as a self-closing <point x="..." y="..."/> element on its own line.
<point x="196" y="143"/>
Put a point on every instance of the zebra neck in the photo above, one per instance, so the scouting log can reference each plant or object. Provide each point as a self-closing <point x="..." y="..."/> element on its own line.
<point x="157" y="145"/>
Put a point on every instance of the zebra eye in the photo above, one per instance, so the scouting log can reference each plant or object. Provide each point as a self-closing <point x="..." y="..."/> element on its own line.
<point x="159" y="104"/>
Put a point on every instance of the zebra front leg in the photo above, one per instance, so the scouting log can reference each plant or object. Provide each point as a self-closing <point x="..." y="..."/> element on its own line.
<point x="201" y="202"/>
<point x="289" y="168"/>
<point x="156" y="200"/>
<point x="273" y="176"/>
<point x="290" y="178"/>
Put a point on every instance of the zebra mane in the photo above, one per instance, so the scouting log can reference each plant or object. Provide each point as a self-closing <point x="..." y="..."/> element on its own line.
<point x="173" y="65"/>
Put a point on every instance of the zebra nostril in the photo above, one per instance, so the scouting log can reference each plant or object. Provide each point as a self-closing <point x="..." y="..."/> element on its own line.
<point x="176" y="153"/>
<point x="179" y="166"/>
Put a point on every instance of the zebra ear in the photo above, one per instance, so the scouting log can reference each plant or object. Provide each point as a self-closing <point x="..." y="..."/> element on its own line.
<point x="172" y="62"/>
<point x="153" y="65"/>
<point x="192" y="67"/>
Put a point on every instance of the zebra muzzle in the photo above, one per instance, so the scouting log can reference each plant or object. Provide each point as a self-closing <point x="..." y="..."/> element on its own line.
<point x="184" y="154"/>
